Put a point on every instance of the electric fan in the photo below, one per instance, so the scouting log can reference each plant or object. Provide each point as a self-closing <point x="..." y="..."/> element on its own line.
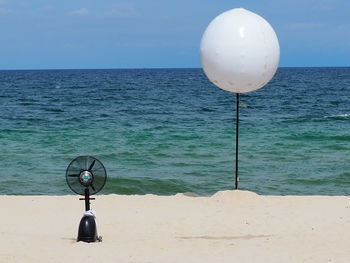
<point x="86" y="176"/>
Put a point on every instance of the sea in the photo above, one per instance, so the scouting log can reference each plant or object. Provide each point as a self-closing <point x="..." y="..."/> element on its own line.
<point x="168" y="131"/>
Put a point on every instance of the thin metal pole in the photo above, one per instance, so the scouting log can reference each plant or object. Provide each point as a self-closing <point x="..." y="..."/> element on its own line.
<point x="87" y="199"/>
<point x="237" y="133"/>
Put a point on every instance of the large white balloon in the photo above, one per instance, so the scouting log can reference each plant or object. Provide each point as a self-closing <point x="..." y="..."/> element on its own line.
<point x="239" y="51"/>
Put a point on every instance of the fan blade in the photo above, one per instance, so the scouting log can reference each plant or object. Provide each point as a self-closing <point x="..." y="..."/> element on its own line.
<point x="73" y="175"/>
<point x="91" y="165"/>
<point x="93" y="188"/>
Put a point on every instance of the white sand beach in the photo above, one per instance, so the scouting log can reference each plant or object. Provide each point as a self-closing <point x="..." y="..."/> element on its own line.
<point x="230" y="226"/>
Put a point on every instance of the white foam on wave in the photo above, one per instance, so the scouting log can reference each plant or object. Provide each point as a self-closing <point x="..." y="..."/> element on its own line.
<point x="346" y="115"/>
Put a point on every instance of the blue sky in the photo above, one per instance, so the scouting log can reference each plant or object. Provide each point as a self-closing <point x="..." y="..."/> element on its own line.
<point x="48" y="34"/>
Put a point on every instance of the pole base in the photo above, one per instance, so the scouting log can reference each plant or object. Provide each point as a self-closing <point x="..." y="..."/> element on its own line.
<point x="87" y="230"/>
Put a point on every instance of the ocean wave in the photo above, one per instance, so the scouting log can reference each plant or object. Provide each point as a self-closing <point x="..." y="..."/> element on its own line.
<point x="338" y="116"/>
<point x="145" y="185"/>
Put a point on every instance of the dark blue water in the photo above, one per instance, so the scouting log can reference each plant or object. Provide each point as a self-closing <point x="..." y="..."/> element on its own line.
<point x="166" y="131"/>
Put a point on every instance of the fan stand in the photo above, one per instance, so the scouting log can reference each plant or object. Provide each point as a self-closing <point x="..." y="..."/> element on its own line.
<point x="87" y="199"/>
<point x="87" y="228"/>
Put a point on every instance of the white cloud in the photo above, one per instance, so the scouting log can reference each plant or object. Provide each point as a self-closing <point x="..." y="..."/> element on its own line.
<point x="80" y="12"/>
<point x="122" y="9"/>
<point x="4" y="11"/>
<point x="73" y="46"/>
<point x="328" y="5"/>
<point x="305" y="26"/>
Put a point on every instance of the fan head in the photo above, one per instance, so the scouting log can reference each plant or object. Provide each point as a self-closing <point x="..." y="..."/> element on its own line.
<point x="86" y="172"/>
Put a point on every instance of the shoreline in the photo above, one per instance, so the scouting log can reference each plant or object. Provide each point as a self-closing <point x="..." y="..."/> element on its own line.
<point x="184" y="194"/>
<point x="239" y="225"/>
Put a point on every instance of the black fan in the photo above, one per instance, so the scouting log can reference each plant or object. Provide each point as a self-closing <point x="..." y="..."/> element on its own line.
<point x="86" y="176"/>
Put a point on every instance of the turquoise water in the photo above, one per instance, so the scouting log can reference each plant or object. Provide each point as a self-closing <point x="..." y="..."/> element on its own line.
<point x="166" y="131"/>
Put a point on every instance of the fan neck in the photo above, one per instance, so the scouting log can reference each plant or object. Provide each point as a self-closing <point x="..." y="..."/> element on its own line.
<point x="87" y="199"/>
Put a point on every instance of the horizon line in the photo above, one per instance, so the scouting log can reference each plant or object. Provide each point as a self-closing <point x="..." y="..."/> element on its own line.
<point x="151" y="68"/>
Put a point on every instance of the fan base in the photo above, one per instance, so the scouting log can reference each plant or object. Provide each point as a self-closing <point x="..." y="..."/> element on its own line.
<point x="87" y="230"/>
